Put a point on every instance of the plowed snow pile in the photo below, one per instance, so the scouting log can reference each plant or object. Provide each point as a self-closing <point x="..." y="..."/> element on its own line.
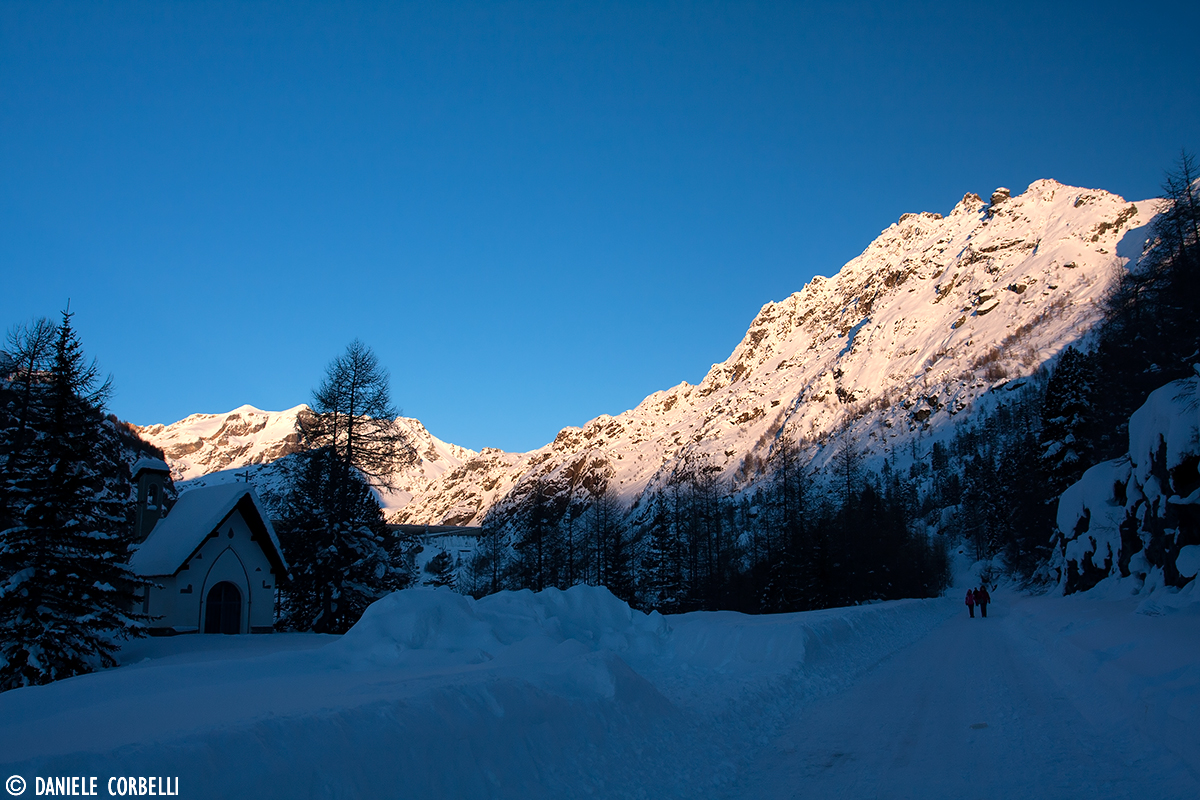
<point x="521" y="694"/>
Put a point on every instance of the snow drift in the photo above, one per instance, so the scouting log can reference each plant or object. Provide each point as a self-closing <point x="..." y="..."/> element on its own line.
<point x="573" y="694"/>
<point x="432" y="694"/>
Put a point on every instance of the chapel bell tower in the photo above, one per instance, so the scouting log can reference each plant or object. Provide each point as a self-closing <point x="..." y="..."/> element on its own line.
<point x="153" y="477"/>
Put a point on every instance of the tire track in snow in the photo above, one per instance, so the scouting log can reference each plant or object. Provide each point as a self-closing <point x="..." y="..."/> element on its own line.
<point x="973" y="709"/>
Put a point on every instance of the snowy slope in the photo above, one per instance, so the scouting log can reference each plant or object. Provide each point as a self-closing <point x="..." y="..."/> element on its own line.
<point x="934" y="314"/>
<point x="572" y="694"/>
<point x="206" y="449"/>
<point x="204" y="443"/>
<point x="905" y="341"/>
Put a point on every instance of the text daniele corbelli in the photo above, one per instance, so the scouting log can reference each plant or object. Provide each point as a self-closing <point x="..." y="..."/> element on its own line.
<point x="91" y="786"/>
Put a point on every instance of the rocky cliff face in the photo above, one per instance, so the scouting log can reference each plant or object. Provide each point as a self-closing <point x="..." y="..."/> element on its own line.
<point x="900" y="344"/>
<point x="206" y="443"/>
<point x="903" y="343"/>
<point x="211" y="448"/>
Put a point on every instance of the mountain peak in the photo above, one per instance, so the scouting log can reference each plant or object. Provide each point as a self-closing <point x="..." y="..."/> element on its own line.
<point x="901" y="344"/>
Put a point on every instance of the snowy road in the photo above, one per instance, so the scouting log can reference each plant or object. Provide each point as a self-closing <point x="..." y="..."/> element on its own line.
<point x="570" y="694"/>
<point x="976" y="709"/>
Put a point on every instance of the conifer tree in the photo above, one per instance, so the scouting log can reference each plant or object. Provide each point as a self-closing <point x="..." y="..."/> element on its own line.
<point x="608" y="550"/>
<point x="26" y="365"/>
<point x="488" y="565"/>
<point x="333" y="534"/>
<point x="664" y="586"/>
<point x="66" y="591"/>
<point x="618" y="566"/>
<point x="353" y="415"/>
<point x="535" y="545"/>
<point x="1066" y="412"/>
<point x="440" y="570"/>
<point x="343" y="557"/>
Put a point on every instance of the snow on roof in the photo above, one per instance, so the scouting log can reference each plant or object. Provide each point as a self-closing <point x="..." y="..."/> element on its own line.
<point x="193" y="517"/>
<point x="152" y="464"/>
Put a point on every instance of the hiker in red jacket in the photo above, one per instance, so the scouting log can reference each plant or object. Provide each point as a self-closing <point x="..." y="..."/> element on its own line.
<point x="982" y="598"/>
<point x="971" y="603"/>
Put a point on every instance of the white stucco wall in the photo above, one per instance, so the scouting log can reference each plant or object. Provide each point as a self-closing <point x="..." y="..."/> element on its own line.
<point x="230" y="556"/>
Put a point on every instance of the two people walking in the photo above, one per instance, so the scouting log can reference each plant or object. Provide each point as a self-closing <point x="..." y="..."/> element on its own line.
<point x="978" y="597"/>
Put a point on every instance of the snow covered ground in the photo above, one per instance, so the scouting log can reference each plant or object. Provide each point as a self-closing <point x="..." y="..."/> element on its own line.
<point x="570" y="694"/>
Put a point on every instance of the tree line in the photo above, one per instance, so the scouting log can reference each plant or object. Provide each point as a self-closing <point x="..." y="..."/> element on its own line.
<point x="694" y="543"/>
<point x="992" y="488"/>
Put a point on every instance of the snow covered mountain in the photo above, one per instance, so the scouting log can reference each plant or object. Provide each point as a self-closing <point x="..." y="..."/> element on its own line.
<point x="212" y="448"/>
<point x="936" y="313"/>
<point x="912" y="337"/>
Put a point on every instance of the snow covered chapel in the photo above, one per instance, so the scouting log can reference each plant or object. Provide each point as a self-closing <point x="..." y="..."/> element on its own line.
<point x="213" y="553"/>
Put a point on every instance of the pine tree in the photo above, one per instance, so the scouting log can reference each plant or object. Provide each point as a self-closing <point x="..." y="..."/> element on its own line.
<point x="664" y="586"/>
<point x="789" y="574"/>
<point x="618" y="567"/>
<point x="607" y="548"/>
<point x="535" y="545"/>
<point x="1066" y="412"/>
<point x="343" y="557"/>
<point x="488" y="565"/>
<point x="440" y="570"/>
<point x="66" y="591"/>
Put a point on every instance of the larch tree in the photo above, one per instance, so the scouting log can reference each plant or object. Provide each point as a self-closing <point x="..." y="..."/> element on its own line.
<point x="27" y="358"/>
<point x="353" y="415"/>
<point x="332" y="529"/>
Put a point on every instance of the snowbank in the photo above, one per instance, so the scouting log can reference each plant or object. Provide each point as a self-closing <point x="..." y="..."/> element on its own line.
<point x="520" y="694"/>
<point x="573" y="694"/>
<point x="410" y="624"/>
<point x="1137" y="516"/>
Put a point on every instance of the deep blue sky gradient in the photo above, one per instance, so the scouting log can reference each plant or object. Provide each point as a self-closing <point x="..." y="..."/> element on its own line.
<point x="533" y="212"/>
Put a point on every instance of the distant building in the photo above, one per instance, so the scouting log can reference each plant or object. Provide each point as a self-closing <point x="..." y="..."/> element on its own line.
<point x="460" y="542"/>
<point x="213" y="554"/>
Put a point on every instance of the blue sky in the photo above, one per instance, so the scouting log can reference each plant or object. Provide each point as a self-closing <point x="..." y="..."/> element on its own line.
<point x="535" y="213"/>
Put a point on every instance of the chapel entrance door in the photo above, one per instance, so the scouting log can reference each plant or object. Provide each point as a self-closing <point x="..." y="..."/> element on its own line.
<point x="223" y="609"/>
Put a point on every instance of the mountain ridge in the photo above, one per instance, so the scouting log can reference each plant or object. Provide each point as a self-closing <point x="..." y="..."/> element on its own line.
<point x="936" y="313"/>
<point x="206" y="449"/>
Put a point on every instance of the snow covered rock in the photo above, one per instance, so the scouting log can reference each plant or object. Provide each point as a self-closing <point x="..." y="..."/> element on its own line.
<point x="1139" y="515"/>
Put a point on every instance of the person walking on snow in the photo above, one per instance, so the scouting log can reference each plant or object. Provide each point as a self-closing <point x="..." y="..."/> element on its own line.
<point x="982" y="598"/>
<point x="971" y="603"/>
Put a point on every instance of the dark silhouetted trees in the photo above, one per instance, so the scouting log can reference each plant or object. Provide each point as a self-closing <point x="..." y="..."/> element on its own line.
<point x="66" y="592"/>
<point x="332" y="530"/>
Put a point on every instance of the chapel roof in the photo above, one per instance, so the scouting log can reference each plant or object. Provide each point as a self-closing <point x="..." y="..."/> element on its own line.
<point x="195" y="515"/>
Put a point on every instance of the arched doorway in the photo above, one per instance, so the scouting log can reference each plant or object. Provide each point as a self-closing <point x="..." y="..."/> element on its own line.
<point x="223" y="609"/>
